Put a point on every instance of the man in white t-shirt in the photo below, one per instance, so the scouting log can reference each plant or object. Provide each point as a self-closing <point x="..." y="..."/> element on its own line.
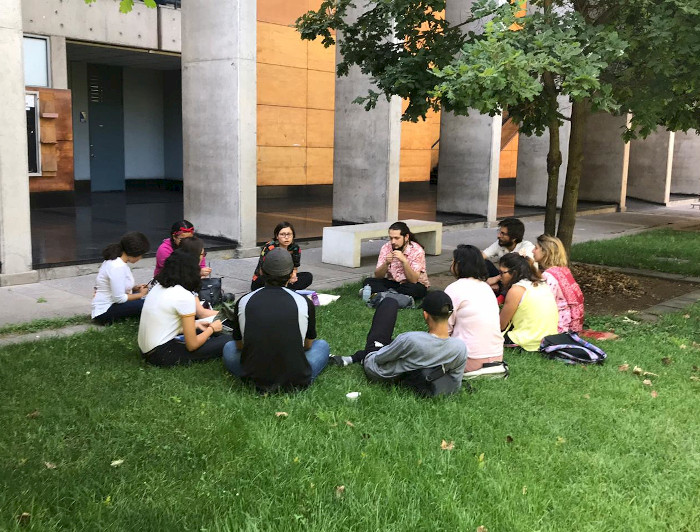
<point x="509" y="240"/>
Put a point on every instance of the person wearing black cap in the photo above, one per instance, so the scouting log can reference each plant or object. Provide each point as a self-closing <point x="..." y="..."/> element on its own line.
<point x="433" y="354"/>
<point x="274" y="333"/>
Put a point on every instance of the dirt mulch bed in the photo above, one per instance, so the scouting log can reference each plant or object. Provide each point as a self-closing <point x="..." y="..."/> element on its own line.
<point x="611" y="292"/>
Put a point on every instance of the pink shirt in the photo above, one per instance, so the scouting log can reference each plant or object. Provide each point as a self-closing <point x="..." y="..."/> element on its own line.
<point x="475" y="319"/>
<point x="164" y="251"/>
<point x="416" y="260"/>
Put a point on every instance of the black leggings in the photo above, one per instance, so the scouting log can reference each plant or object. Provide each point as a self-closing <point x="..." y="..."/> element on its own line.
<point x="304" y="280"/>
<point x="174" y="352"/>
<point x="415" y="290"/>
<point x="381" y="330"/>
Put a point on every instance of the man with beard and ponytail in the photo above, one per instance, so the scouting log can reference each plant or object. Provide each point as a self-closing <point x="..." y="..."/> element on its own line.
<point x="401" y="266"/>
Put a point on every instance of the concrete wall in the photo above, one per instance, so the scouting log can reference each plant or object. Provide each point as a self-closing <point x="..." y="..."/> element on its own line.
<point x="469" y="148"/>
<point x="97" y="22"/>
<point x="531" y="184"/>
<point x="650" y="167"/>
<point x="219" y="124"/>
<point x="81" y="130"/>
<point x="15" y="228"/>
<point x="605" y="160"/>
<point x="143" y="124"/>
<point x="367" y="149"/>
<point x="172" y="124"/>
<point x="59" y="63"/>
<point x="686" y="163"/>
<point x="469" y="164"/>
<point x="170" y="24"/>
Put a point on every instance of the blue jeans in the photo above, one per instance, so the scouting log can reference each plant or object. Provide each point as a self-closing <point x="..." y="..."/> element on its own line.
<point x="317" y="357"/>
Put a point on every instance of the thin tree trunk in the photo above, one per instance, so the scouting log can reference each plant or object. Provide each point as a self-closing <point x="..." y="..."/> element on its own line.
<point x="553" y="156"/>
<point x="567" y="217"/>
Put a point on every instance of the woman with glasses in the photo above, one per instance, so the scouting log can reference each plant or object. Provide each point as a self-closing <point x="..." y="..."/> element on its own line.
<point x="530" y="311"/>
<point x="179" y="232"/>
<point x="283" y="237"/>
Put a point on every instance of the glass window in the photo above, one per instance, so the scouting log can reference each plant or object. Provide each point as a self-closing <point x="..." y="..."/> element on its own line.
<point x="36" y="62"/>
<point x="31" y="105"/>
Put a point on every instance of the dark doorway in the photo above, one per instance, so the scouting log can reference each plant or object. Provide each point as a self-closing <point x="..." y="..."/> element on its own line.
<point x="106" y="117"/>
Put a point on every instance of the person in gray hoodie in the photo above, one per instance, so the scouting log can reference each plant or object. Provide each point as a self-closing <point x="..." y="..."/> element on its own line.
<point x="413" y="357"/>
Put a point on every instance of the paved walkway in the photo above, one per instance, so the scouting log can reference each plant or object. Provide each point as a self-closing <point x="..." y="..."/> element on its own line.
<point x="70" y="296"/>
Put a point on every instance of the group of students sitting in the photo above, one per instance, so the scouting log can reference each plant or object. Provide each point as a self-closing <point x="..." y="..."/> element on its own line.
<point x="273" y="341"/>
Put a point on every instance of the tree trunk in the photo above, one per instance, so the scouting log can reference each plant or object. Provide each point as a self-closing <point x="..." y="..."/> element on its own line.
<point x="567" y="217"/>
<point x="553" y="156"/>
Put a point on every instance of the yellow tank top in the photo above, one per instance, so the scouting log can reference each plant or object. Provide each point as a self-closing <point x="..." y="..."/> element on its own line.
<point x="536" y="317"/>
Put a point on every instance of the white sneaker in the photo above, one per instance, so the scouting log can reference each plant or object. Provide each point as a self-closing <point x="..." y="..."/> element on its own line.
<point x="491" y="370"/>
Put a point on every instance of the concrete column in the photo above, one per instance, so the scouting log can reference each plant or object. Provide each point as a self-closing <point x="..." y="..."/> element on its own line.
<point x="367" y="149"/>
<point x="15" y="228"/>
<point x="470" y="152"/>
<point x="686" y="163"/>
<point x="59" y="62"/>
<point x="470" y="149"/>
<point x="650" y="167"/>
<point x="605" y="160"/>
<point x="531" y="181"/>
<point x="219" y="118"/>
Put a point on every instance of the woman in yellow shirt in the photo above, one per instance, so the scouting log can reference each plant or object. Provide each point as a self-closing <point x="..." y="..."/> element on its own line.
<point x="530" y="312"/>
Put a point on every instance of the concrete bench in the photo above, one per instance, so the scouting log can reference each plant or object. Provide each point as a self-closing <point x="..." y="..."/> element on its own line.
<point x="342" y="243"/>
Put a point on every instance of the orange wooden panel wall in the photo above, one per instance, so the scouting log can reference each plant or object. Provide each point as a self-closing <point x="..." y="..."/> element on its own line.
<point x="296" y="101"/>
<point x="56" y="141"/>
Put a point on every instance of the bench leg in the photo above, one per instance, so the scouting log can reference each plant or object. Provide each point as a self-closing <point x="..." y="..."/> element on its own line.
<point x="432" y="242"/>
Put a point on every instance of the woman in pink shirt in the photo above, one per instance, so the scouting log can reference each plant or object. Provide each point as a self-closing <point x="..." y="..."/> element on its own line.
<point x="475" y="319"/>
<point x="178" y="232"/>
<point x="553" y="263"/>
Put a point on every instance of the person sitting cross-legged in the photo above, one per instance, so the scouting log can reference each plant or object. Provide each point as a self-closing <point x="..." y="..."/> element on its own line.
<point x="475" y="319"/>
<point x="509" y="239"/>
<point x="529" y="312"/>
<point x="551" y="258"/>
<point x="275" y="345"/>
<point x="398" y="361"/>
<point x="401" y="265"/>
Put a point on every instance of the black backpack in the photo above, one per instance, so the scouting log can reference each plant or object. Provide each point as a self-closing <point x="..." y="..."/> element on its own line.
<point x="570" y="348"/>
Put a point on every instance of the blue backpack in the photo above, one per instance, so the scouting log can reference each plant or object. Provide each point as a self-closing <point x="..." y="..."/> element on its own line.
<point x="571" y="349"/>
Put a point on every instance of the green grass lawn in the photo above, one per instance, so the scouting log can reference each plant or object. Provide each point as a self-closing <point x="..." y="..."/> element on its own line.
<point x="553" y="448"/>
<point x="664" y="250"/>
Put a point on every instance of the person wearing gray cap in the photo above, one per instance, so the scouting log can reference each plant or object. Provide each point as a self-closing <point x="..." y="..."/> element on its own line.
<point x="274" y="334"/>
<point x="431" y="363"/>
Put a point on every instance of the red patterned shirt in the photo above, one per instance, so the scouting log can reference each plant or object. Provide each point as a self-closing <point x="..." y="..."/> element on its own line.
<point x="415" y="255"/>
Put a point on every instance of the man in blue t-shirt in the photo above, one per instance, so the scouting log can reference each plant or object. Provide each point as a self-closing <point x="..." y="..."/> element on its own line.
<point x="274" y="333"/>
<point x="413" y="357"/>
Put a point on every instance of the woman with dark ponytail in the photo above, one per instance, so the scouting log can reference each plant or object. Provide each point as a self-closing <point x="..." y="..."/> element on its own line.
<point x="116" y="297"/>
<point x="530" y="311"/>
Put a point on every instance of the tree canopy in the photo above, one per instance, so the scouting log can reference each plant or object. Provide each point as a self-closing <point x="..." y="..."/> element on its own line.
<point x="618" y="56"/>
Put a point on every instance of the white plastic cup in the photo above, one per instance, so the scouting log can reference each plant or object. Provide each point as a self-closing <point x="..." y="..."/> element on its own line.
<point x="352" y="396"/>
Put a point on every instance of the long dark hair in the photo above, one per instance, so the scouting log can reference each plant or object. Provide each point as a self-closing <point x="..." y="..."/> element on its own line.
<point x="177" y="227"/>
<point x="181" y="268"/>
<point x="404" y="230"/>
<point x="281" y="226"/>
<point x="194" y="246"/>
<point x="520" y="268"/>
<point x="469" y="262"/>
<point x="134" y="244"/>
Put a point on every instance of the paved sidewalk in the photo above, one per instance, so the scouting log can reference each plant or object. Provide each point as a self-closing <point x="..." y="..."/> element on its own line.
<point x="71" y="296"/>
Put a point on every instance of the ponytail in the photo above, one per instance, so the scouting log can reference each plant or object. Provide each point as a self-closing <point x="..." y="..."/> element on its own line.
<point x="112" y="251"/>
<point x="134" y="244"/>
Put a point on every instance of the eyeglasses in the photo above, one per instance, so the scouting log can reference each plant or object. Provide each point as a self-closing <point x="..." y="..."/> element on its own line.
<point x="502" y="233"/>
<point x="285" y="235"/>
